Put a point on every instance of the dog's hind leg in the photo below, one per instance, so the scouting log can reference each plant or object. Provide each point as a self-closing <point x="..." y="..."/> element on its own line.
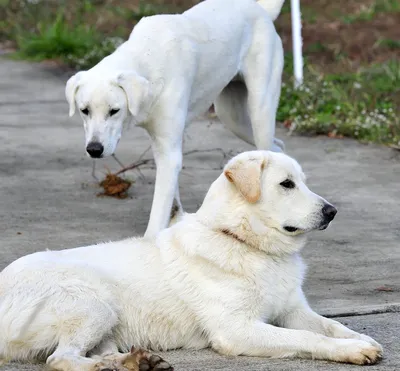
<point x="80" y="335"/>
<point x="262" y="74"/>
<point x="231" y="107"/>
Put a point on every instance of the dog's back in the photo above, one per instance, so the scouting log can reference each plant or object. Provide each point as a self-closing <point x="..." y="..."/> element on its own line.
<point x="217" y="8"/>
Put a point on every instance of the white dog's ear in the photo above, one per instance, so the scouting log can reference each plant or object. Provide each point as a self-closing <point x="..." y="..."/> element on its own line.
<point x="70" y="91"/>
<point x="245" y="174"/>
<point x="137" y="90"/>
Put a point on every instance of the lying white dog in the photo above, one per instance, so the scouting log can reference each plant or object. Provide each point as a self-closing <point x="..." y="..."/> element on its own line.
<point x="226" y="277"/>
<point x="172" y="68"/>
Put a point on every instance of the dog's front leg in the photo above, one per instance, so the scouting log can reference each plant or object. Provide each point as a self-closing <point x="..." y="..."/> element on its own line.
<point x="167" y="150"/>
<point x="301" y="317"/>
<point x="264" y="340"/>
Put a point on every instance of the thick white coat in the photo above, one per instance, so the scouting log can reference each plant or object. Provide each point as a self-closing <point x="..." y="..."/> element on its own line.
<point x="223" y="277"/>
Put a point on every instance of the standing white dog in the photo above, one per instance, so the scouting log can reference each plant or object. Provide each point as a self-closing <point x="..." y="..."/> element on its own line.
<point x="172" y="68"/>
<point x="225" y="277"/>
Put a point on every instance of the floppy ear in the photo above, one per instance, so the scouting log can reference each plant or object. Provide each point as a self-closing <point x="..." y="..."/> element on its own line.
<point x="70" y="91"/>
<point x="137" y="90"/>
<point x="245" y="174"/>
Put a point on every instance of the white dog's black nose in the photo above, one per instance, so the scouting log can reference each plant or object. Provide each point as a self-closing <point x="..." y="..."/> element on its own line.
<point x="329" y="212"/>
<point x="95" y="149"/>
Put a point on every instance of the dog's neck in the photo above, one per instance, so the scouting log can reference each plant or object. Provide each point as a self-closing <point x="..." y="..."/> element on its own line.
<point x="225" y="211"/>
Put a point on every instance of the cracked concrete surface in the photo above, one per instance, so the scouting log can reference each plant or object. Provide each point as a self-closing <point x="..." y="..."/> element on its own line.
<point x="48" y="200"/>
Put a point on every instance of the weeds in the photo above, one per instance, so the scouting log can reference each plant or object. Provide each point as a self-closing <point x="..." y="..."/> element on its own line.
<point x="80" y="47"/>
<point x="360" y="105"/>
<point x="66" y="30"/>
<point x="389" y="43"/>
<point x="56" y="40"/>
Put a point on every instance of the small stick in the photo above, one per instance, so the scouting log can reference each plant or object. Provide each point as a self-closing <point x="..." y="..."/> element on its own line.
<point x="94" y="170"/>
<point x="146" y="161"/>
<point x="118" y="161"/>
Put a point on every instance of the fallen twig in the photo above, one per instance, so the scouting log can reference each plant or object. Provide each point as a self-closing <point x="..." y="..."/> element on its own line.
<point x="141" y="161"/>
<point x="134" y="165"/>
<point x="115" y="186"/>
<point x="94" y="170"/>
<point x="118" y="161"/>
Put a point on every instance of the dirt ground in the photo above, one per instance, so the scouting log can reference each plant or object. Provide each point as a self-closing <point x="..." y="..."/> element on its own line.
<point x="335" y="45"/>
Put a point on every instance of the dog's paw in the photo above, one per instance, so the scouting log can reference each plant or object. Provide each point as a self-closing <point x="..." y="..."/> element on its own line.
<point x="149" y="362"/>
<point x="137" y="360"/>
<point x="337" y="330"/>
<point x="358" y="352"/>
<point x="371" y="341"/>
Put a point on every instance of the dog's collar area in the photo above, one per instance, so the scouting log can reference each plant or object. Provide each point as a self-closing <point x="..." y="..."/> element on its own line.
<point x="232" y="235"/>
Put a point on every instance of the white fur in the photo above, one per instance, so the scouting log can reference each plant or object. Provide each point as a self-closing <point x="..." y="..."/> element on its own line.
<point x="224" y="277"/>
<point x="172" y="68"/>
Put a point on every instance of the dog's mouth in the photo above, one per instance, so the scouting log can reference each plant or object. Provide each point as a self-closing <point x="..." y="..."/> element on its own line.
<point x="323" y="227"/>
<point x="295" y="230"/>
<point x="291" y="229"/>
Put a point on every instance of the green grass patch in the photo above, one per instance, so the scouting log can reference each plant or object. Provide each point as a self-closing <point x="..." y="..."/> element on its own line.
<point x="387" y="6"/>
<point x="389" y="43"/>
<point x="316" y="47"/>
<point x="361" y="105"/>
<point x="55" y="40"/>
<point x="59" y="30"/>
<point x="78" y="46"/>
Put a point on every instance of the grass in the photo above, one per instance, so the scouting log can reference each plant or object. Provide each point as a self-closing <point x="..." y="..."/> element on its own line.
<point x="80" y="46"/>
<point x="317" y="47"/>
<point x="56" y="39"/>
<point x="361" y="102"/>
<point x="389" y="43"/>
<point x="63" y="33"/>
<point x="360" y="105"/>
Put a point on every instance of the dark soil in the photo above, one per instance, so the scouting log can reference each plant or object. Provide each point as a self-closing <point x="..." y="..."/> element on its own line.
<point x="332" y="45"/>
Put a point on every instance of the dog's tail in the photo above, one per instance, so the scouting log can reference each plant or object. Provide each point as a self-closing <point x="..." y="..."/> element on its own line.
<point x="272" y="7"/>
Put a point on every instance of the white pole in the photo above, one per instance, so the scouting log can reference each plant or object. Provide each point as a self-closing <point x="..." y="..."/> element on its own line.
<point x="297" y="43"/>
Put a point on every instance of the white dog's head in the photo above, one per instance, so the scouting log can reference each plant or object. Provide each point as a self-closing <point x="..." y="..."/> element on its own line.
<point x="262" y="192"/>
<point x="105" y="102"/>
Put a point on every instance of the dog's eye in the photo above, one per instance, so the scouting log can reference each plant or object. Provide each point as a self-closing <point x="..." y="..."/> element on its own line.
<point x="114" y="111"/>
<point x="288" y="184"/>
<point x="85" y="111"/>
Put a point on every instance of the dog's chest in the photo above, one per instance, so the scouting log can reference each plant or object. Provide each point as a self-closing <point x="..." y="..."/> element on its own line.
<point x="273" y="284"/>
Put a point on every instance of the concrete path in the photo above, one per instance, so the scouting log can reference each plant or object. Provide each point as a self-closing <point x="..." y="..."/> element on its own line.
<point x="48" y="200"/>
